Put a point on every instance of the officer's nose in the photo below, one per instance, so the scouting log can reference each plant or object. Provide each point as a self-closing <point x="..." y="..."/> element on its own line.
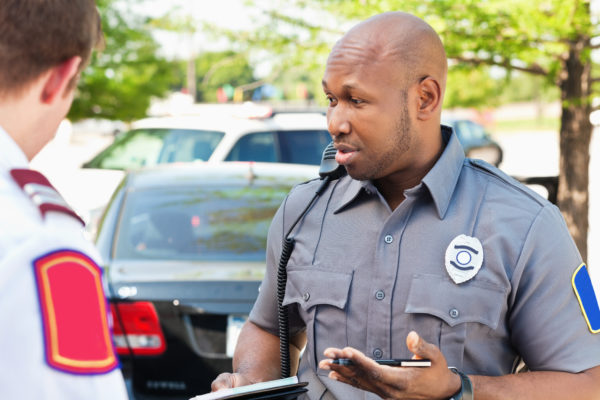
<point x="337" y="121"/>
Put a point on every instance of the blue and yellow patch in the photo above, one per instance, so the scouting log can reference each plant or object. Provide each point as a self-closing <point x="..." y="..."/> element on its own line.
<point x="584" y="290"/>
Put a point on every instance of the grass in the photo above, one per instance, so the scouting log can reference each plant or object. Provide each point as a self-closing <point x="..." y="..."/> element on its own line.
<point x="541" y="124"/>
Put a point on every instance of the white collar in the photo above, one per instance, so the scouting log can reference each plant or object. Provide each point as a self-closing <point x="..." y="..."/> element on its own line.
<point x="11" y="155"/>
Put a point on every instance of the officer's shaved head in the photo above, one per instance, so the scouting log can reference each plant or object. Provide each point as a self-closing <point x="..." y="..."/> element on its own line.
<point x="400" y="38"/>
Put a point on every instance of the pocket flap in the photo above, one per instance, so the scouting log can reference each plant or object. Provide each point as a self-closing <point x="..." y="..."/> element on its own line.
<point x="312" y="286"/>
<point x="455" y="304"/>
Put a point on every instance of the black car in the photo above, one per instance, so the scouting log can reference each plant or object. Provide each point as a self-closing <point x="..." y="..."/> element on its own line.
<point x="184" y="248"/>
<point x="476" y="141"/>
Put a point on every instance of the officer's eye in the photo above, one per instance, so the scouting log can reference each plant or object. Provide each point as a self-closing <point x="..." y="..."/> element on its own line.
<point x="331" y="100"/>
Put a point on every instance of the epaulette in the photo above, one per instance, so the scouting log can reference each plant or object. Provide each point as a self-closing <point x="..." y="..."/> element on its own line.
<point x="41" y="192"/>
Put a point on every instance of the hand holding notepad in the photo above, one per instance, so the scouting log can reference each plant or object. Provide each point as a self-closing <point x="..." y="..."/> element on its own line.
<point x="283" y="389"/>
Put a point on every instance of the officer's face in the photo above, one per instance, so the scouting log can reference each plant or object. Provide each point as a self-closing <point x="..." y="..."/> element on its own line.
<point x="368" y="115"/>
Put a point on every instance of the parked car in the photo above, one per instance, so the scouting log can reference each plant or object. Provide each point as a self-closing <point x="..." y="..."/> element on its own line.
<point x="214" y="134"/>
<point x="286" y="137"/>
<point x="184" y="247"/>
<point x="475" y="140"/>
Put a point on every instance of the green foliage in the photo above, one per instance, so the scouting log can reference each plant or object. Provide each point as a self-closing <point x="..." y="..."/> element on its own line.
<point x="480" y="91"/>
<point x="121" y="79"/>
<point x="531" y="36"/>
<point x="215" y="69"/>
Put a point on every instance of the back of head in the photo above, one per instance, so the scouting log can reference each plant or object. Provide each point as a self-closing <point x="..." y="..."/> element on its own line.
<point x="36" y="35"/>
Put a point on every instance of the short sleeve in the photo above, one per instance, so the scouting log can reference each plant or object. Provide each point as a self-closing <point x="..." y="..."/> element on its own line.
<point x="548" y="328"/>
<point x="265" y="311"/>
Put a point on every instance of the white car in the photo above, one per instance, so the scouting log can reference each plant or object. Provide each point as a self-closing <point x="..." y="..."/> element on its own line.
<point x="297" y="138"/>
<point x="212" y="135"/>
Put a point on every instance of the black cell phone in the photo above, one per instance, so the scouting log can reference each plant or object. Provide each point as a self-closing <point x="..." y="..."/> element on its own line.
<point x="396" y="362"/>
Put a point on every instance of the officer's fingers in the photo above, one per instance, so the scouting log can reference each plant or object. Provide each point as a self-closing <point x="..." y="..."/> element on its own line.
<point x="227" y="380"/>
<point x="223" y="381"/>
<point x="421" y="348"/>
<point x="333" y="352"/>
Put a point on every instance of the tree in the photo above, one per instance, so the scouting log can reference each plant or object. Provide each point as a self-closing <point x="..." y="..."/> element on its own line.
<point x="216" y="69"/>
<point x="123" y="77"/>
<point x="549" y="38"/>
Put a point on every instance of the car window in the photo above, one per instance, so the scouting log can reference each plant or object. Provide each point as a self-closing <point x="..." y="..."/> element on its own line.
<point x="477" y="131"/>
<point x="469" y="131"/>
<point x="148" y="147"/>
<point x="303" y="146"/>
<point x="299" y="147"/>
<point x="257" y="146"/>
<point x="216" y="223"/>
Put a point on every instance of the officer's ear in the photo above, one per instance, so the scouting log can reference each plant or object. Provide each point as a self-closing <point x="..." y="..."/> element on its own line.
<point x="58" y="80"/>
<point x="430" y="98"/>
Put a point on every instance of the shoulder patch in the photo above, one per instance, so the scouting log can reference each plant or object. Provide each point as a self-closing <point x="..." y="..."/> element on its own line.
<point x="74" y="313"/>
<point x="41" y="192"/>
<point x="584" y="290"/>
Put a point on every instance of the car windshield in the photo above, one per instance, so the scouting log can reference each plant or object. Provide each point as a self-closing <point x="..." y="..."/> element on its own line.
<point x="209" y="223"/>
<point x="148" y="147"/>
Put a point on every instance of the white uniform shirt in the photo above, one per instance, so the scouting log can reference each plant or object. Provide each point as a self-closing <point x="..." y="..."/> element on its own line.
<point x="27" y="349"/>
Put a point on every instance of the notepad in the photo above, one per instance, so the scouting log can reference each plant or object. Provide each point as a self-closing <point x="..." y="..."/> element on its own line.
<point x="280" y="388"/>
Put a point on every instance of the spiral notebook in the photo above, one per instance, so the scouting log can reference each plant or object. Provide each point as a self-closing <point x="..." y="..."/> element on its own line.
<point x="279" y="389"/>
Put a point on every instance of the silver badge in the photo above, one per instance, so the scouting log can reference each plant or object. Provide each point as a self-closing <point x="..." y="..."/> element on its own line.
<point x="464" y="257"/>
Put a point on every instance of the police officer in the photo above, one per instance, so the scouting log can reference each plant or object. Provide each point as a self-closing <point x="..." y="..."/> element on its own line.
<point x="55" y="338"/>
<point x="419" y="252"/>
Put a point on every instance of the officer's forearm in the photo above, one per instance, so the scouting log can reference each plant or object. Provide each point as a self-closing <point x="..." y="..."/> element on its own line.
<point x="257" y="354"/>
<point x="542" y="385"/>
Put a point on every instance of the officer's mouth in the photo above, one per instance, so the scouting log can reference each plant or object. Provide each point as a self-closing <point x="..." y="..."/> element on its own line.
<point x="345" y="154"/>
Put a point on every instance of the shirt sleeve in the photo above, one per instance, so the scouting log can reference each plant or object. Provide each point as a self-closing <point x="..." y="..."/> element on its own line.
<point x="265" y="310"/>
<point x="548" y="328"/>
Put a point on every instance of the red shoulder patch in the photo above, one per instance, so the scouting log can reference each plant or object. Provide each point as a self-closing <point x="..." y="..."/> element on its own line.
<point x="74" y="313"/>
<point x="41" y="192"/>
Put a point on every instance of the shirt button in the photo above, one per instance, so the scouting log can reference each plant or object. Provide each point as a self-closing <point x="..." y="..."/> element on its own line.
<point x="388" y="239"/>
<point x="380" y="295"/>
<point x="306" y="296"/>
<point x="377" y="353"/>
<point x="454" y="313"/>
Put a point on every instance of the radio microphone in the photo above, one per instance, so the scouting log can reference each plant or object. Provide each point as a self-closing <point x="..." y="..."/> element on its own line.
<point x="328" y="171"/>
<point x="329" y="167"/>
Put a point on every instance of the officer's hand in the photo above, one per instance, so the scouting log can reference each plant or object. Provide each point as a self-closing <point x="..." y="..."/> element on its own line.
<point x="228" y="380"/>
<point x="435" y="382"/>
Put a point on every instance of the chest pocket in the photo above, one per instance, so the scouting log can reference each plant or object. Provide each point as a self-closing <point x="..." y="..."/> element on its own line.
<point x="456" y="306"/>
<point x="321" y="296"/>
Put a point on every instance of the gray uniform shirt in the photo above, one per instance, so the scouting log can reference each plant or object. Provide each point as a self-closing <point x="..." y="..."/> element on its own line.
<point x="362" y="275"/>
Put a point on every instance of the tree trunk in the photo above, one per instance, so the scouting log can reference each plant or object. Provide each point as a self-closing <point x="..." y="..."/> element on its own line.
<point x="575" y="135"/>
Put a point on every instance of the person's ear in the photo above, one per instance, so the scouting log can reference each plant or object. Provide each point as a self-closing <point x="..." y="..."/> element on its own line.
<point x="430" y="98"/>
<point x="58" y="78"/>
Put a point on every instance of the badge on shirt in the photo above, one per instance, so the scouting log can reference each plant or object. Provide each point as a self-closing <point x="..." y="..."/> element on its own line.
<point x="584" y="290"/>
<point x="464" y="257"/>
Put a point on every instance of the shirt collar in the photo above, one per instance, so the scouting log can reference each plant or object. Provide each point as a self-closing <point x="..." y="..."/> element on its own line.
<point x="440" y="180"/>
<point x="11" y="155"/>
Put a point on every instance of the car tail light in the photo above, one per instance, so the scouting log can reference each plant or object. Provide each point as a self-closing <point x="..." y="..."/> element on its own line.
<point x="137" y="329"/>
